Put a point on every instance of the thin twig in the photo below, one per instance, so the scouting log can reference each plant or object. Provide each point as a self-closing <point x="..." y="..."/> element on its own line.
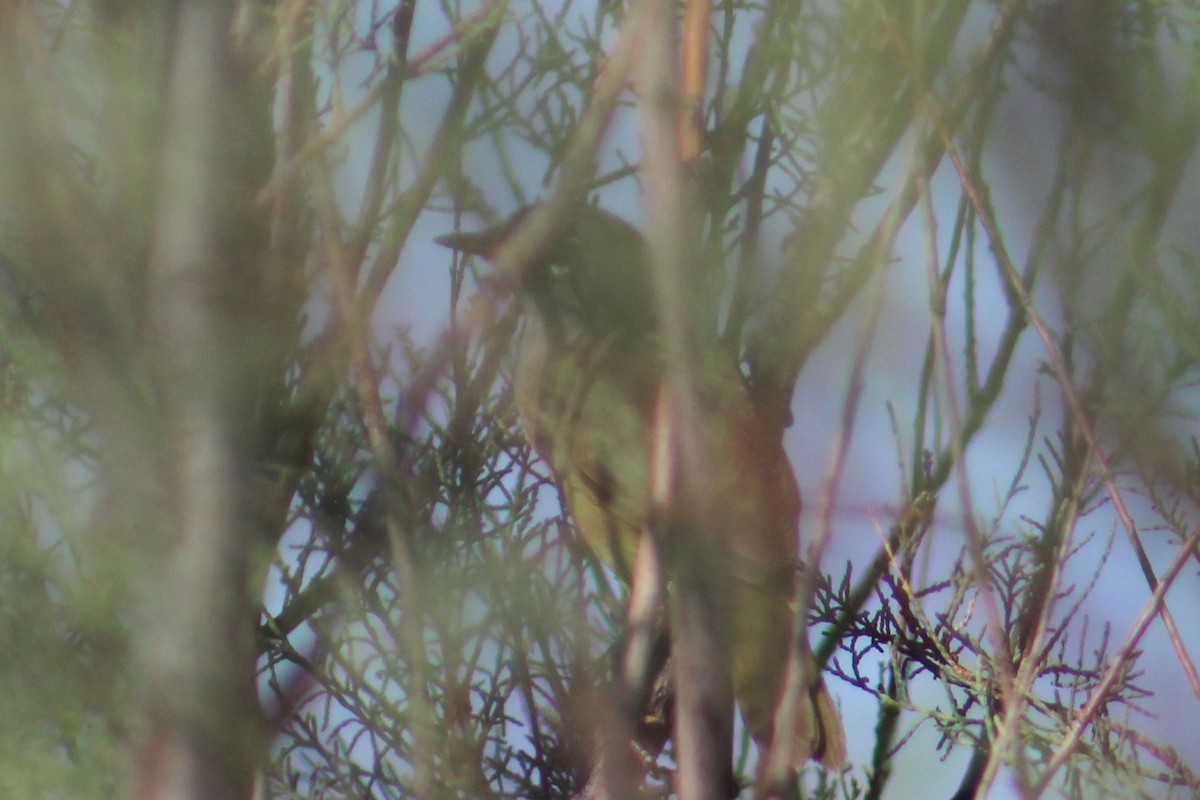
<point x="1061" y="372"/>
<point x="1156" y="605"/>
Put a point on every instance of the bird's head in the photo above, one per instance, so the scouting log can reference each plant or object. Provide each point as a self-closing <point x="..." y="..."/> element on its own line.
<point x="590" y="278"/>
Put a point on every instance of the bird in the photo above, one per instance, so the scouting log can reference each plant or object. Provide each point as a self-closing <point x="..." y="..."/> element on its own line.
<point x="589" y="366"/>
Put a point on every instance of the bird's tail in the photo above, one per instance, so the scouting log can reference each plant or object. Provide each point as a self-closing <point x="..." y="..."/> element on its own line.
<point x="828" y="737"/>
<point x="760" y="658"/>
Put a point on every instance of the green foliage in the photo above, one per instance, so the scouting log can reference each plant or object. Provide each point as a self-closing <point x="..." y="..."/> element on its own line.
<point x="974" y="216"/>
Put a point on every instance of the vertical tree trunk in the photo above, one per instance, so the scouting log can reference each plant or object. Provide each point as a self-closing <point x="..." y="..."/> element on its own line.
<point x="196" y="650"/>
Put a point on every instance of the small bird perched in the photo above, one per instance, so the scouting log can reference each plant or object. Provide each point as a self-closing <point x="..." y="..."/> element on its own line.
<point x="589" y="368"/>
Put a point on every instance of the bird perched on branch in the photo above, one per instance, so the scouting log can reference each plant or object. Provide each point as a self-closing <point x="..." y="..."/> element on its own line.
<point x="589" y="369"/>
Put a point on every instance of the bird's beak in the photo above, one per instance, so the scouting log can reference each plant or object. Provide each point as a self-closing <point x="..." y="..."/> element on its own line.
<point x="487" y="241"/>
<point x="476" y="243"/>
